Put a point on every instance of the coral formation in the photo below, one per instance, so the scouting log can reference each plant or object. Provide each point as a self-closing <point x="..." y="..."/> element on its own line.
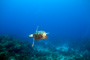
<point x="14" y="49"/>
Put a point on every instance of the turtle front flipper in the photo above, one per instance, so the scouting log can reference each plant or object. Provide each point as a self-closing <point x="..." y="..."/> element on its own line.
<point x="37" y="28"/>
<point x="33" y="42"/>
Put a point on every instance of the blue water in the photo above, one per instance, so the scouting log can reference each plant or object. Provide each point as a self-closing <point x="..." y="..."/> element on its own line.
<point x="62" y="19"/>
<point x="66" y="21"/>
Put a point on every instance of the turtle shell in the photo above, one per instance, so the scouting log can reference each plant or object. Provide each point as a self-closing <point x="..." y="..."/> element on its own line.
<point x="38" y="35"/>
<point x="39" y="32"/>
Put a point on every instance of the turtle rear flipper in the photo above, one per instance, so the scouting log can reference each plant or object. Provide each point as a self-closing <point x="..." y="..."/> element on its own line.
<point x="46" y="37"/>
<point x="31" y="35"/>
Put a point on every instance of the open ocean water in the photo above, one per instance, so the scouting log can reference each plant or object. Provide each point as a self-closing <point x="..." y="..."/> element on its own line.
<point x="67" y="23"/>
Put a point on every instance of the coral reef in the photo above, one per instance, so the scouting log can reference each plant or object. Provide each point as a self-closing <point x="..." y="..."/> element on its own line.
<point x="63" y="52"/>
<point x="14" y="49"/>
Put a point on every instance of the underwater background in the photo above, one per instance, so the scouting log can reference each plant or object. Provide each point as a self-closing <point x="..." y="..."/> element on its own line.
<point x="66" y="21"/>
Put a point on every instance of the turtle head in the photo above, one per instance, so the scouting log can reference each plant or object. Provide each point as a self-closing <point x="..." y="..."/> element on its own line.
<point x="31" y="35"/>
<point x="44" y="35"/>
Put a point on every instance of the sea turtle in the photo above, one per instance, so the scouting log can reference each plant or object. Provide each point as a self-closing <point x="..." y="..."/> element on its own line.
<point x="38" y="35"/>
